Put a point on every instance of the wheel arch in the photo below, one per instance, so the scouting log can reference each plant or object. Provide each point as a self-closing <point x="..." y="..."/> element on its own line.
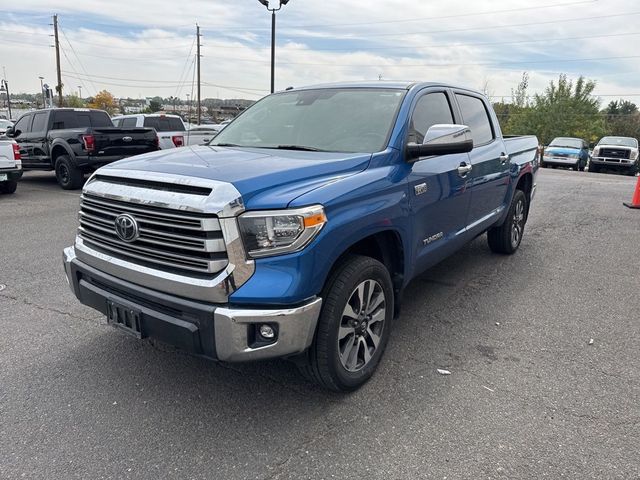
<point x="387" y="247"/>
<point x="57" y="150"/>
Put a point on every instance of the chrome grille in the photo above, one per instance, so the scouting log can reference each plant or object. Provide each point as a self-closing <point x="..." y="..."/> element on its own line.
<point x="186" y="242"/>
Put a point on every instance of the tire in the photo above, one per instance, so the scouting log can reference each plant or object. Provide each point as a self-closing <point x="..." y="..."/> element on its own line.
<point x="578" y="166"/>
<point x="507" y="237"/>
<point x="68" y="175"/>
<point x="347" y="363"/>
<point x="593" y="168"/>
<point x="9" y="186"/>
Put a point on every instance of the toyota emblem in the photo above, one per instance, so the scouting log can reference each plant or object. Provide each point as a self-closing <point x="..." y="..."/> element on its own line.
<point x="127" y="227"/>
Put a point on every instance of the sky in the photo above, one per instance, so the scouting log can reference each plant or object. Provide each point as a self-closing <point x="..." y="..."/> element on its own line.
<point x="147" y="47"/>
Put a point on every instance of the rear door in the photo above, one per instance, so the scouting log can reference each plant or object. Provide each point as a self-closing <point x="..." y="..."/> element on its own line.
<point x="438" y="192"/>
<point x="488" y="180"/>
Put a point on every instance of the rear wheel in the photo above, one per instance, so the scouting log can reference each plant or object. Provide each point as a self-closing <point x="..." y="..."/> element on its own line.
<point x="507" y="237"/>
<point x="68" y="175"/>
<point x="9" y="186"/>
<point x="354" y="325"/>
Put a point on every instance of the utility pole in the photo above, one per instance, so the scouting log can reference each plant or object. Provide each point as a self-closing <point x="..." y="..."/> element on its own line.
<point x="80" y="91"/>
<point x="57" y="45"/>
<point x="198" y="58"/>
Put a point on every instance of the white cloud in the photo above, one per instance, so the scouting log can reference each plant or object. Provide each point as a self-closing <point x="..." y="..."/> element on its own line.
<point x="141" y="48"/>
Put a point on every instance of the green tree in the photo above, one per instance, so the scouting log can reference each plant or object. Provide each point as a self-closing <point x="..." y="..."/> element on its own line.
<point x="623" y="119"/>
<point x="155" y="105"/>
<point x="565" y="109"/>
<point x="74" y="101"/>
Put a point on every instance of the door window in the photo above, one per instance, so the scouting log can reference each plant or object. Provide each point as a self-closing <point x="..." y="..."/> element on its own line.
<point x="39" y="122"/>
<point x="475" y="116"/>
<point x="24" y="124"/>
<point x="431" y="109"/>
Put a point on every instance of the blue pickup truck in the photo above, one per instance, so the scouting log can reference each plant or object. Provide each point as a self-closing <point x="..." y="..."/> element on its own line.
<point x="295" y="231"/>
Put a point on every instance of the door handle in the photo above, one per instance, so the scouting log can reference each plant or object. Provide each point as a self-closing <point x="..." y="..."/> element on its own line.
<point x="464" y="168"/>
<point x="504" y="158"/>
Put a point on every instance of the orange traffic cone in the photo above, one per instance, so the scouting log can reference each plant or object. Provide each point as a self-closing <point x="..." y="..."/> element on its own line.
<point x="635" y="201"/>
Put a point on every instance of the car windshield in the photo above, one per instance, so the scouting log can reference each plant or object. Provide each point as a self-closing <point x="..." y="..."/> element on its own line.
<point x="566" y="142"/>
<point x="333" y="120"/>
<point x="619" y="141"/>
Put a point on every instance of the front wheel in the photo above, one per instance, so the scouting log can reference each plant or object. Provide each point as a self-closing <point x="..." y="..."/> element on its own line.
<point x="354" y="325"/>
<point x="507" y="237"/>
<point x="593" y="168"/>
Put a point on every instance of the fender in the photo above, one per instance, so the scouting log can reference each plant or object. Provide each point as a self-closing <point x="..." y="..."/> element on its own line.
<point x="60" y="143"/>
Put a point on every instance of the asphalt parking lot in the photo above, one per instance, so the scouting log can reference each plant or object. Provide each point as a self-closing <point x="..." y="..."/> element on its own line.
<point x="527" y="397"/>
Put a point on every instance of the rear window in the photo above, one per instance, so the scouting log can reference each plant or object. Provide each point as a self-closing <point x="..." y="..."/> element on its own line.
<point x="164" y="124"/>
<point x="475" y="116"/>
<point x="129" y="122"/>
<point x="63" y="119"/>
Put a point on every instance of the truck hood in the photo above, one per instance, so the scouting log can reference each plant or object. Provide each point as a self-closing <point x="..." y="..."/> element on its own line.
<point x="265" y="178"/>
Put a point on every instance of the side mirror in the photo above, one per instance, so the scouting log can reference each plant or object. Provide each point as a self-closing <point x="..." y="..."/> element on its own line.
<point x="9" y="132"/>
<point x="442" y="139"/>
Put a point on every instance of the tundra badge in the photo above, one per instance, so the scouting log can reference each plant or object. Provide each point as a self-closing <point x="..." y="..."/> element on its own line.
<point x="420" y="189"/>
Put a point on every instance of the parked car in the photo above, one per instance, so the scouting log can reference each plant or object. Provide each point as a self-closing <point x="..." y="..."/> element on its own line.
<point x="566" y="152"/>
<point x="171" y="129"/>
<point x="296" y="230"/>
<point x="619" y="153"/>
<point x="200" y="134"/>
<point x="73" y="141"/>
<point x="4" y="124"/>
<point x="10" y="166"/>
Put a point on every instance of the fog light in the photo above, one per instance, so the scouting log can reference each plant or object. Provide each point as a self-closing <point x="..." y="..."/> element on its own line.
<point x="266" y="331"/>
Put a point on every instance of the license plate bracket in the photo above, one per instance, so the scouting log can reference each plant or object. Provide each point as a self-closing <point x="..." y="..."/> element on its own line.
<point x="125" y="318"/>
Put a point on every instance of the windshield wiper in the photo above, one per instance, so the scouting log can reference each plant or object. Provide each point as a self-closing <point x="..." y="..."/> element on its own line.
<point x="225" y="145"/>
<point x="298" y="147"/>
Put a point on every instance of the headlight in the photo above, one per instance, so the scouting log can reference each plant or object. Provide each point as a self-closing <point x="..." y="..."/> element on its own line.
<point x="276" y="232"/>
<point x="633" y="155"/>
<point x="596" y="152"/>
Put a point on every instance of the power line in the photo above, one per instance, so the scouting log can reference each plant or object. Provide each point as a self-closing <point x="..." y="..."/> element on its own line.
<point x="492" y="27"/>
<point x="420" y="19"/>
<point x="64" y="35"/>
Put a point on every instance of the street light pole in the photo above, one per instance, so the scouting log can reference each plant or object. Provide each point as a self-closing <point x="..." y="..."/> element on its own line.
<point x="80" y="91"/>
<point x="44" y="104"/>
<point x="273" y="38"/>
<point x="5" y="86"/>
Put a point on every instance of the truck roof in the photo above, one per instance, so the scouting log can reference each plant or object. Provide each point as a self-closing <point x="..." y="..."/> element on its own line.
<point x="405" y="85"/>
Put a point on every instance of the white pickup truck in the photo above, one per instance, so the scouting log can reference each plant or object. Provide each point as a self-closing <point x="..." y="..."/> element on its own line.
<point x="170" y="128"/>
<point x="10" y="166"/>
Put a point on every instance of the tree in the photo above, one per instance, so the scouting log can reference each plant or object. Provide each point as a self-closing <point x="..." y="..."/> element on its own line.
<point x="623" y="119"/>
<point x="104" y="101"/>
<point x="565" y="109"/>
<point x="73" y="101"/>
<point x="154" y="106"/>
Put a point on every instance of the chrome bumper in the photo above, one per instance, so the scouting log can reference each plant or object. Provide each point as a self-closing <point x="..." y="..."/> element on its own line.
<point x="230" y="327"/>
<point x="296" y="327"/>
<point x="621" y="162"/>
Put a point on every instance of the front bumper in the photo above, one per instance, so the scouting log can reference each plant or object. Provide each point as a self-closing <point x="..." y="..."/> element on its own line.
<point x="214" y="331"/>
<point x="561" y="161"/>
<point x="625" y="163"/>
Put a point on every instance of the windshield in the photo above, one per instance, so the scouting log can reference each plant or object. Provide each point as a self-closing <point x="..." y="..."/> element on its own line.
<point x="620" y="141"/>
<point x="566" y="142"/>
<point x="337" y="120"/>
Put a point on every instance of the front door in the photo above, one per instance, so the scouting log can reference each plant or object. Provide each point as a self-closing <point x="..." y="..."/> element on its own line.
<point x="438" y="193"/>
<point x="23" y="125"/>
